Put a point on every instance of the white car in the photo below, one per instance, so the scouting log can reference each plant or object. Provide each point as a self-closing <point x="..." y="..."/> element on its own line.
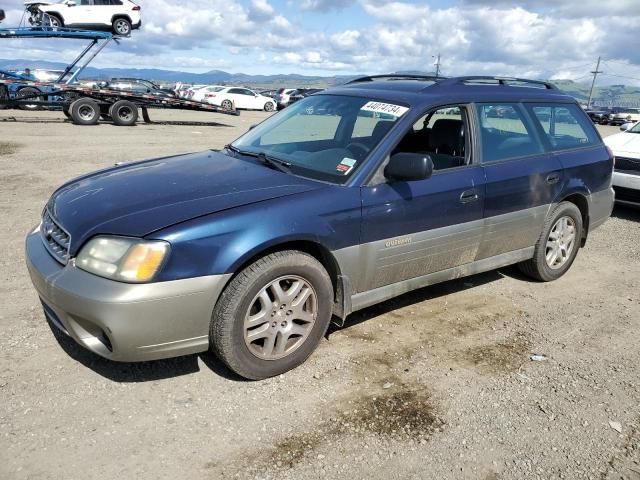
<point x="201" y="94"/>
<point x="626" y="176"/>
<point x="240" y="98"/>
<point x="119" y="16"/>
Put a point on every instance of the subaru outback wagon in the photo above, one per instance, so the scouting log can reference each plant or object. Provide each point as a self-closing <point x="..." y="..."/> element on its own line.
<point x="345" y="199"/>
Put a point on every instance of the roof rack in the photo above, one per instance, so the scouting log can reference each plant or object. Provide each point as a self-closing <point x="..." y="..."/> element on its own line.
<point x="504" y="81"/>
<point x="396" y="76"/>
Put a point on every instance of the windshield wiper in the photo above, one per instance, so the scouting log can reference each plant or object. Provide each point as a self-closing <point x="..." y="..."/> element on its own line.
<point x="268" y="160"/>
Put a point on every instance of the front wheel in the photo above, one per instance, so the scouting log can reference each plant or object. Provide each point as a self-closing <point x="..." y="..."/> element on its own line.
<point x="558" y="244"/>
<point x="272" y="315"/>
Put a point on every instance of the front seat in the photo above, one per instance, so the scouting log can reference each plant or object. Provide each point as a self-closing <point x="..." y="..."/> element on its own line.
<point x="446" y="144"/>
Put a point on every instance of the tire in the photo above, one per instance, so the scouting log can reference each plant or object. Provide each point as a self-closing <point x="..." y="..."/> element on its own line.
<point x="23" y="92"/>
<point x="227" y="104"/>
<point x="259" y="358"/>
<point x="66" y="112"/>
<point x="269" y="107"/>
<point x="85" y="111"/>
<point x="124" y="113"/>
<point x="540" y="267"/>
<point x="55" y="21"/>
<point x="121" y="27"/>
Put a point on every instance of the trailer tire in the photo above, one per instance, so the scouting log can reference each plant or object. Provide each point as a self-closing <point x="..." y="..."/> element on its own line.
<point x="66" y="112"/>
<point x="85" y="111"/>
<point x="23" y="92"/>
<point x="124" y="113"/>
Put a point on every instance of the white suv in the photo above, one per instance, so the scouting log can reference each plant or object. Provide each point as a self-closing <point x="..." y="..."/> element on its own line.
<point x="120" y="16"/>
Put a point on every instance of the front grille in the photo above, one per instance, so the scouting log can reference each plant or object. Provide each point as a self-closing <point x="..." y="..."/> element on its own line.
<point x="55" y="238"/>
<point x="628" y="164"/>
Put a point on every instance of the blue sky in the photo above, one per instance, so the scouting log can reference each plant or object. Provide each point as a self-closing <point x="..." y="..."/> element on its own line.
<point x="531" y="38"/>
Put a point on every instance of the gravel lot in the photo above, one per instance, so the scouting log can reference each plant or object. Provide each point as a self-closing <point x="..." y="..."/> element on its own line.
<point x="437" y="384"/>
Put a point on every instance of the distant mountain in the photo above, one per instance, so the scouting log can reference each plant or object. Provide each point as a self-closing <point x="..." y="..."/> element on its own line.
<point x="610" y="95"/>
<point x="171" y="76"/>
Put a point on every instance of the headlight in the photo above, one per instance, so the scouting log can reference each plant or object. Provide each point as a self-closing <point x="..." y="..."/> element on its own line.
<point x="123" y="259"/>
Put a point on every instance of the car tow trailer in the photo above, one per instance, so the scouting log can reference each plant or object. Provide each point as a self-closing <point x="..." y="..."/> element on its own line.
<point x="85" y="105"/>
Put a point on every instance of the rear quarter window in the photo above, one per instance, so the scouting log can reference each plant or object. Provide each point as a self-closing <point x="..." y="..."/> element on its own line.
<point x="565" y="126"/>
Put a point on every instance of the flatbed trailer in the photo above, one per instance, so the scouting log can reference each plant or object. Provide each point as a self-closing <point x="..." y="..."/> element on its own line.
<point x="83" y="104"/>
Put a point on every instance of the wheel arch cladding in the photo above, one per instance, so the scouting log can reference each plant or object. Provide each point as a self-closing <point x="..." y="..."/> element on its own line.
<point x="318" y="251"/>
<point x="121" y="15"/>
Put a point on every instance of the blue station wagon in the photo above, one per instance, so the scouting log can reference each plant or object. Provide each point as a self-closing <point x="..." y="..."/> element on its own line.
<point x="345" y="199"/>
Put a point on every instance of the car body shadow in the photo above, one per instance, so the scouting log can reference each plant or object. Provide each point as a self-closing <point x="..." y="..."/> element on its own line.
<point x="139" y="372"/>
<point x="627" y="212"/>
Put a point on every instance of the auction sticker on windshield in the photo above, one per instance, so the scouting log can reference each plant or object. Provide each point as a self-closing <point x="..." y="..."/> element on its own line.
<point x="388" y="108"/>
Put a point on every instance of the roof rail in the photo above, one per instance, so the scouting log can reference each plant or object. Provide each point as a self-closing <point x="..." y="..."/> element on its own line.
<point x="504" y="81"/>
<point x="395" y="76"/>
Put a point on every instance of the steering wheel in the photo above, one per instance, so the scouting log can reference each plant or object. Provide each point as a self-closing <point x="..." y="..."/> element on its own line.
<point x="359" y="150"/>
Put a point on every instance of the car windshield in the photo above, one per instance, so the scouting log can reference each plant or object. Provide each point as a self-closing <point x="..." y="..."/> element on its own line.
<point x="635" y="128"/>
<point x="325" y="137"/>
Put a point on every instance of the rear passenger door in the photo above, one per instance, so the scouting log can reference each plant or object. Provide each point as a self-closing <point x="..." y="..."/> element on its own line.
<point x="522" y="178"/>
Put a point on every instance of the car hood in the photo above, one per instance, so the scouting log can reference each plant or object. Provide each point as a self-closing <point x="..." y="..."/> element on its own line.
<point x="624" y="143"/>
<point x="140" y="198"/>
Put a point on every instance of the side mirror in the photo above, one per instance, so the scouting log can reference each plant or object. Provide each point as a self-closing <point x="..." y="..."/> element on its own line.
<point x="409" y="167"/>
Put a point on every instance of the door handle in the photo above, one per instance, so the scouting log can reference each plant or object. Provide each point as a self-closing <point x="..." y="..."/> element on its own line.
<point x="469" y="196"/>
<point x="553" y="178"/>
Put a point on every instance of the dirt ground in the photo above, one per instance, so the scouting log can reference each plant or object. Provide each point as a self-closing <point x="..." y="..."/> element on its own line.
<point x="437" y="384"/>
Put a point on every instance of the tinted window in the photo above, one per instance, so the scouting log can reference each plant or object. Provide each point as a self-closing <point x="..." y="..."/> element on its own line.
<point x="565" y="126"/>
<point x="505" y="133"/>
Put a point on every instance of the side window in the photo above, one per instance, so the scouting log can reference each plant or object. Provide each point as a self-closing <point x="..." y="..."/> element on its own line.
<point x="235" y="91"/>
<point x="505" y="133"/>
<point x="115" y="2"/>
<point x="564" y="125"/>
<point x="441" y="133"/>
<point x="86" y="3"/>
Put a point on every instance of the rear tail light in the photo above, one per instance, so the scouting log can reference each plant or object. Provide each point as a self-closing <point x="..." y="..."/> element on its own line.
<point x="137" y="8"/>
<point x="210" y="95"/>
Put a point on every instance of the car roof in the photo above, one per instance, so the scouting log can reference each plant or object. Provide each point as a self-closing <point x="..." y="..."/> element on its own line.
<point x="422" y="90"/>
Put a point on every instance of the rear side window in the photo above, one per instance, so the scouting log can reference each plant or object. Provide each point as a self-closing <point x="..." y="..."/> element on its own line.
<point x="505" y="133"/>
<point x="565" y="126"/>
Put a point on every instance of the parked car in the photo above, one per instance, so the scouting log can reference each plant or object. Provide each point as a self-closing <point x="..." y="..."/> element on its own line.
<point x="282" y="97"/>
<point x="202" y="94"/>
<point x="624" y="115"/>
<point x="301" y="93"/>
<point x="139" y="85"/>
<point x="626" y="176"/>
<point x="240" y="98"/>
<point x="599" y="115"/>
<point x="268" y="93"/>
<point x="119" y="16"/>
<point x="345" y="199"/>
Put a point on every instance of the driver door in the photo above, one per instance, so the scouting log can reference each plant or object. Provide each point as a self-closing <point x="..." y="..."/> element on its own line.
<point x="412" y="229"/>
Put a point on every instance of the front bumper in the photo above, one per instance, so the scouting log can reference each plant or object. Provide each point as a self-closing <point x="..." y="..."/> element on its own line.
<point x="124" y="322"/>
<point x="627" y="186"/>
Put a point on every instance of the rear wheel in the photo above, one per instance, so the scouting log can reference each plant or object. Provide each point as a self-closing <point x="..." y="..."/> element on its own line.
<point x="124" y="113"/>
<point x="122" y="26"/>
<point x="272" y="315"/>
<point x="269" y="107"/>
<point x="85" y="111"/>
<point x="558" y="244"/>
<point x="227" y="104"/>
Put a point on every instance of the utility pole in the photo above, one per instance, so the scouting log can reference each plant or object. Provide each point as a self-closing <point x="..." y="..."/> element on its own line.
<point x="593" y="83"/>
<point x="437" y="64"/>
